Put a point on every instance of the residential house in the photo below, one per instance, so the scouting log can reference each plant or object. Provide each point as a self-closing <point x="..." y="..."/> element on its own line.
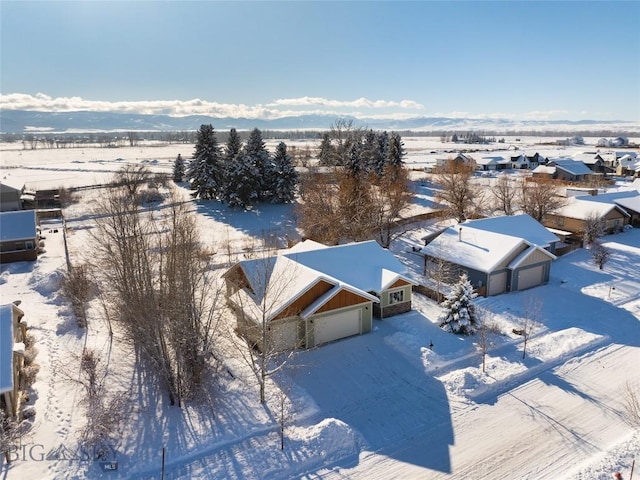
<point x="564" y="169"/>
<point x="460" y="158"/>
<point x="535" y="160"/>
<point x="312" y="294"/>
<point x="520" y="162"/>
<point x="628" y="200"/>
<point x="11" y="193"/>
<point x="592" y="160"/>
<point x="573" y="217"/>
<point x="18" y="236"/>
<point x="627" y="164"/>
<point x="499" y="255"/>
<point x="493" y="163"/>
<point x="12" y="336"/>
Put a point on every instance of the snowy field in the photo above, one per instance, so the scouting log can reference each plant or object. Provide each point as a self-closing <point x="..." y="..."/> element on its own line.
<point x="407" y="401"/>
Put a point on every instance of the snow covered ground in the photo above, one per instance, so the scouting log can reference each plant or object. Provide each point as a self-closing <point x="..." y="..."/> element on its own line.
<point x="406" y="401"/>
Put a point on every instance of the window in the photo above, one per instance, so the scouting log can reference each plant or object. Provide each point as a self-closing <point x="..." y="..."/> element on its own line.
<point x="28" y="245"/>
<point x="396" y="297"/>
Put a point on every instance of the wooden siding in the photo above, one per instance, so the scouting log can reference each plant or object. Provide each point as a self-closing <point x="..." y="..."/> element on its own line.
<point x="343" y="299"/>
<point x="614" y="219"/>
<point x="236" y="279"/>
<point x="534" y="258"/>
<point x="306" y="299"/>
<point x="399" y="283"/>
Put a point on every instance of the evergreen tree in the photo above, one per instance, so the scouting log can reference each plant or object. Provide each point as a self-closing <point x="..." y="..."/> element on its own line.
<point x="242" y="182"/>
<point x="205" y="171"/>
<point x="354" y="166"/>
<point x="381" y="155"/>
<point x="370" y="152"/>
<point x="326" y="154"/>
<point x="255" y="151"/>
<point x="459" y="314"/>
<point x="285" y="176"/>
<point x="395" y="151"/>
<point x="178" y="169"/>
<point x="233" y="145"/>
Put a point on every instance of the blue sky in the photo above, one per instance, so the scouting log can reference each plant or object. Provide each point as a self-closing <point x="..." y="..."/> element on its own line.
<point x="521" y="60"/>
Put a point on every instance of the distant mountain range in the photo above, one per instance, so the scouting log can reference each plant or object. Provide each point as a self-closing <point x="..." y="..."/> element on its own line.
<point x="22" y="121"/>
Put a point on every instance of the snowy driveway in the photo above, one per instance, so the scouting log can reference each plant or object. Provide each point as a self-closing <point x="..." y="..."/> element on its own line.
<point x="398" y="410"/>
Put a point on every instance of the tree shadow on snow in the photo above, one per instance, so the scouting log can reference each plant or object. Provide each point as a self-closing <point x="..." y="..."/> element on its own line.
<point x="397" y="410"/>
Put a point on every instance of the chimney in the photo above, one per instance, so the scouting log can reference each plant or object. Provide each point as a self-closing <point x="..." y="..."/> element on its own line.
<point x="460" y="234"/>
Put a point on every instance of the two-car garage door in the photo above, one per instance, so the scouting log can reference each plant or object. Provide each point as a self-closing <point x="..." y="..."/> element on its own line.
<point x="339" y="325"/>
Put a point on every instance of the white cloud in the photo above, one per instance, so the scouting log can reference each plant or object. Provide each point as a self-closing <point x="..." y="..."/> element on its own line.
<point x="358" y="103"/>
<point x="279" y="108"/>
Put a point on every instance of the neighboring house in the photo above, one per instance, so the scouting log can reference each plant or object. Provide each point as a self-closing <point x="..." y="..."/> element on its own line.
<point x="573" y="217"/>
<point x="499" y="255"/>
<point x="628" y="200"/>
<point x="313" y="294"/>
<point x="18" y="236"/>
<point x="627" y="164"/>
<point x="493" y="163"/>
<point x="535" y="160"/>
<point x="10" y="195"/>
<point x="520" y="162"/>
<point x="592" y="160"/>
<point x="12" y="336"/>
<point x="564" y="169"/>
<point x="460" y="158"/>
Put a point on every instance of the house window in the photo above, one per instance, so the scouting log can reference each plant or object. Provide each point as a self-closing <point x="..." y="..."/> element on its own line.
<point x="28" y="245"/>
<point x="396" y="297"/>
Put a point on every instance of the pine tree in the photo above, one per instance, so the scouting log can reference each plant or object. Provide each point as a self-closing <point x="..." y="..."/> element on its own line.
<point x="395" y="151"/>
<point x="233" y="146"/>
<point x="459" y="314"/>
<point x="370" y="151"/>
<point x="242" y="182"/>
<point x="326" y="154"/>
<point x="381" y="155"/>
<point x="255" y="151"/>
<point x="285" y="176"/>
<point x="354" y="166"/>
<point x="205" y="172"/>
<point x="178" y="169"/>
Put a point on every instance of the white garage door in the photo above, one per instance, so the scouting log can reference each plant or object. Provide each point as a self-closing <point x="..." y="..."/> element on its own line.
<point x="531" y="277"/>
<point x="339" y="325"/>
<point x="497" y="283"/>
<point x="284" y="336"/>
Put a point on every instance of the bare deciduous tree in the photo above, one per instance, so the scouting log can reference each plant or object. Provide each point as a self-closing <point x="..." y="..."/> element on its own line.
<point x="389" y="197"/>
<point x="505" y="191"/>
<point x="154" y="278"/>
<point x="484" y="330"/>
<point x="631" y="404"/>
<point x="595" y="227"/>
<point x="540" y="197"/>
<point x="600" y="254"/>
<point x="255" y="305"/>
<point x="531" y="317"/>
<point x="460" y="198"/>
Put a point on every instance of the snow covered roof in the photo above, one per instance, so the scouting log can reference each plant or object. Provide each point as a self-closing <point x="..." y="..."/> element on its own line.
<point x="11" y="183"/>
<point x="584" y="207"/>
<point x="478" y="249"/>
<point x="544" y="169"/>
<point x="364" y="265"/>
<point x="19" y="225"/>
<point x="492" y="160"/>
<point x="523" y="226"/>
<point x="627" y="199"/>
<point x="574" y="167"/>
<point x="278" y="281"/>
<point x="6" y="348"/>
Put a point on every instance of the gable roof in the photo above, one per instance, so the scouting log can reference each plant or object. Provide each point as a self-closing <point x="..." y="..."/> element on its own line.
<point x="481" y="250"/>
<point x="522" y="226"/>
<point x="364" y="265"/>
<point x="582" y="208"/>
<point x="627" y="199"/>
<point x="277" y="282"/>
<point x="573" y="167"/>
<point x="19" y="225"/>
